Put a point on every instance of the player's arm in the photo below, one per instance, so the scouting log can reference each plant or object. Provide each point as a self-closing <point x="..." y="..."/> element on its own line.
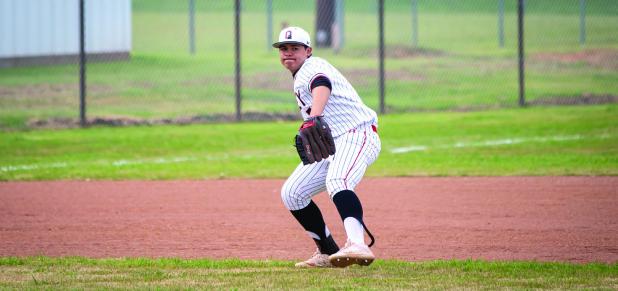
<point x="320" y="91"/>
<point x="320" y="98"/>
<point x="314" y="141"/>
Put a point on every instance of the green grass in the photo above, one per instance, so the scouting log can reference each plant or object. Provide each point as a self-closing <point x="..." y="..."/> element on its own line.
<point x="171" y="273"/>
<point x="458" y="63"/>
<point x="607" y="7"/>
<point x="575" y="140"/>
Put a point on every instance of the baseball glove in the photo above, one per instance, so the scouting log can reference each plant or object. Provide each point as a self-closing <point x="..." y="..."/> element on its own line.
<point x="314" y="141"/>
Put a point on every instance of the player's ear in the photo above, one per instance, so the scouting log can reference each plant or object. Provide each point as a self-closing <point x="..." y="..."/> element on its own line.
<point x="309" y="50"/>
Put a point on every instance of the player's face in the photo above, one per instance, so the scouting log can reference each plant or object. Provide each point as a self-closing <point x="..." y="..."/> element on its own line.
<point x="293" y="56"/>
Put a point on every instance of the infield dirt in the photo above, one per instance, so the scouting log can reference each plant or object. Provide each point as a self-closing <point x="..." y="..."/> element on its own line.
<point x="572" y="219"/>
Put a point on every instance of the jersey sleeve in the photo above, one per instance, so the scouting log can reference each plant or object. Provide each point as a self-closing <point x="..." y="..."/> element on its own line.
<point x="319" y="75"/>
<point x="320" y="80"/>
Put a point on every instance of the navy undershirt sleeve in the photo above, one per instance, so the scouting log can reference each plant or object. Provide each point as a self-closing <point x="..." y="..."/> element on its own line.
<point x="321" y="81"/>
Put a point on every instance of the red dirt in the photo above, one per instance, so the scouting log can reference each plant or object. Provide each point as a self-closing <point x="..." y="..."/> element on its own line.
<point x="573" y="219"/>
<point x="599" y="58"/>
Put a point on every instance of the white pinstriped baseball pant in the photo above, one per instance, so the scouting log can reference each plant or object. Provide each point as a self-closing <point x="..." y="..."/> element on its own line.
<point x="356" y="150"/>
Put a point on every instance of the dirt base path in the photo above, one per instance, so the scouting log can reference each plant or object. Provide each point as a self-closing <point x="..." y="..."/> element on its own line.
<point x="572" y="219"/>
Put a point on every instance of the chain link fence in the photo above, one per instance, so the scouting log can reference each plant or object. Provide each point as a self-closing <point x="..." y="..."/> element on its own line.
<point x="180" y="66"/>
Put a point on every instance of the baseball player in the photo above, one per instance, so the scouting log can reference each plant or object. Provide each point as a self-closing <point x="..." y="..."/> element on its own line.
<point x="336" y="142"/>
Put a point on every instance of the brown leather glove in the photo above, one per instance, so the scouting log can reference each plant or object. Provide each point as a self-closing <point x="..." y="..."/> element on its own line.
<point x="314" y="141"/>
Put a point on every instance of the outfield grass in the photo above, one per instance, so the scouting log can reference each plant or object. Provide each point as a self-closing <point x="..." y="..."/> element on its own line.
<point x="574" y="140"/>
<point x="143" y="273"/>
<point x="458" y="63"/>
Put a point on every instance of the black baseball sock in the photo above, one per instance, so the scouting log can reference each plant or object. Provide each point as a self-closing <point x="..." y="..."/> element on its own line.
<point x="349" y="205"/>
<point x="312" y="221"/>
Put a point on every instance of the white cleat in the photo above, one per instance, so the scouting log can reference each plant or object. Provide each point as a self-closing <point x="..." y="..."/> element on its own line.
<point x="317" y="260"/>
<point x="352" y="253"/>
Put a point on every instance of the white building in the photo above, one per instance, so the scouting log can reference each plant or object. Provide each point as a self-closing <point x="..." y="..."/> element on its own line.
<point x="34" y="32"/>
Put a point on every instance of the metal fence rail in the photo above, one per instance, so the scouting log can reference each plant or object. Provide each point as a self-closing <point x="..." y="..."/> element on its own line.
<point x="197" y="60"/>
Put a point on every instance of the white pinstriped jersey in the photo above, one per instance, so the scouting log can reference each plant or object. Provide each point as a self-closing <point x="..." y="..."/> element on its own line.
<point x="344" y="110"/>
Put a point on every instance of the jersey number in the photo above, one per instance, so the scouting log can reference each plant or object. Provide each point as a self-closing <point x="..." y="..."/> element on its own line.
<point x="297" y="94"/>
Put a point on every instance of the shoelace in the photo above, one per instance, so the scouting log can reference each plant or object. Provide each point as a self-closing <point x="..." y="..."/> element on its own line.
<point x="348" y="244"/>
<point x="316" y="254"/>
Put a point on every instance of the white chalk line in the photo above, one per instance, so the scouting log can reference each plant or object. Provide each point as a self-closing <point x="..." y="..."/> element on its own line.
<point x="32" y="167"/>
<point x="116" y="163"/>
<point x="399" y="150"/>
<point x="124" y="162"/>
<point x="127" y="162"/>
<point x="493" y="143"/>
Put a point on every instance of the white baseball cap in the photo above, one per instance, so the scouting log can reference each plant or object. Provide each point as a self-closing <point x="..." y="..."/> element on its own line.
<point x="294" y="35"/>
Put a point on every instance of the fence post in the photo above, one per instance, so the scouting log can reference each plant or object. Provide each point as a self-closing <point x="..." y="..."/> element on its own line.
<point x="324" y="20"/>
<point x="338" y="28"/>
<point x="501" y="23"/>
<point x="582" y="21"/>
<point x="269" y="25"/>
<point x="82" y="66"/>
<point x="192" y="27"/>
<point x="415" y="23"/>
<point x="237" y="57"/>
<point x="381" y="51"/>
<point x="520" y="34"/>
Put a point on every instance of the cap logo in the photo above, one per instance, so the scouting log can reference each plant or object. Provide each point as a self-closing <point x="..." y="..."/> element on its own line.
<point x="288" y="34"/>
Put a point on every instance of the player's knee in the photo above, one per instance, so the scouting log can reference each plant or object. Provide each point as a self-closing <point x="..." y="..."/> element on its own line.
<point x="335" y="185"/>
<point x="292" y="198"/>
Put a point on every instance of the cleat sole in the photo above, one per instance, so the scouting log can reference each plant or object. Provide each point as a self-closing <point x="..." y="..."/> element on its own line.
<point x="343" y="262"/>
